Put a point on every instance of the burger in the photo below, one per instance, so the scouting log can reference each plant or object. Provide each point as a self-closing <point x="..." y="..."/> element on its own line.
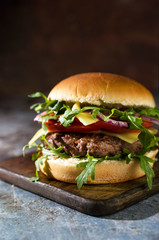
<point x="96" y="128"/>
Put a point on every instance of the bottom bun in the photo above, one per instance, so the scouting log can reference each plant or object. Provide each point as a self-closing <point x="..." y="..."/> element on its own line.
<point x="108" y="171"/>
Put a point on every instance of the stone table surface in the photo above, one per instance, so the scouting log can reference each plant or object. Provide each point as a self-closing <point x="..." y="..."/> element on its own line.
<point x="24" y="215"/>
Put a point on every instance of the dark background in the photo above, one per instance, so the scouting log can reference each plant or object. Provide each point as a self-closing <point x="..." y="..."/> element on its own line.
<point x="44" y="41"/>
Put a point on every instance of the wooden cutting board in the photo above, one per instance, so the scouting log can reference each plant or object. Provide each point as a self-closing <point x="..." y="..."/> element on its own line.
<point x="96" y="200"/>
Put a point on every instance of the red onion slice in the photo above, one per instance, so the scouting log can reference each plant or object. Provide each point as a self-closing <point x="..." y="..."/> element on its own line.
<point x="112" y="121"/>
<point x="150" y="119"/>
<point x="38" y="117"/>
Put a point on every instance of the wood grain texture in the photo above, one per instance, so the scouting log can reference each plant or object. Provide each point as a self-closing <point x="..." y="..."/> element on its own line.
<point x="96" y="200"/>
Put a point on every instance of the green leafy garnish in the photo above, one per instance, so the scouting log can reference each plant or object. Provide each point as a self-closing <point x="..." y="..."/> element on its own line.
<point x="37" y="95"/>
<point x="49" y="105"/>
<point x="37" y="162"/>
<point x="53" y="151"/>
<point x="90" y="168"/>
<point x="33" y="145"/>
<point x="147" y="169"/>
<point x="147" y="139"/>
<point x="88" y="171"/>
<point x="36" y="156"/>
<point x="144" y="165"/>
<point x="68" y="117"/>
<point x="42" y="154"/>
<point x="150" y="112"/>
<point x="128" y="156"/>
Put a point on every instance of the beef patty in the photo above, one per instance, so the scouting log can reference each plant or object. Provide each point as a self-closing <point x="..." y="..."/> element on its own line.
<point x="97" y="145"/>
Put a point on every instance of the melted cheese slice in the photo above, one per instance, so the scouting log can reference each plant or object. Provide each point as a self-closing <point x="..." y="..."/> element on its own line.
<point x="85" y="118"/>
<point x="130" y="137"/>
<point x="127" y="137"/>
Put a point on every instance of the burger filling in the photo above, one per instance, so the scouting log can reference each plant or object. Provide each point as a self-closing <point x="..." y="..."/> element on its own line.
<point x="94" y="133"/>
<point x="97" y="145"/>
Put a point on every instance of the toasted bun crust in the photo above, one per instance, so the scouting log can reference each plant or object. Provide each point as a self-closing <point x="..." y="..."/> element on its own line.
<point x="102" y="89"/>
<point x="108" y="171"/>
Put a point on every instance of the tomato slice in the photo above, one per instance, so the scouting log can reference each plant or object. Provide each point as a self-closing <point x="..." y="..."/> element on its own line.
<point x="54" y="126"/>
<point x="147" y="124"/>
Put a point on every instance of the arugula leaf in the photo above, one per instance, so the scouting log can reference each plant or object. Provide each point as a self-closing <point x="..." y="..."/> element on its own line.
<point x="90" y="168"/>
<point x="44" y="127"/>
<point x="34" y="179"/>
<point x="150" y="112"/>
<point x="47" y="117"/>
<point x="33" y="145"/>
<point x="42" y="106"/>
<point x="95" y="112"/>
<point x="38" y="107"/>
<point x="144" y="164"/>
<point x="58" y="106"/>
<point x="115" y="157"/>
<point x="38" y="94"/>
<point x="147" y="139"/>
<point x="135" y="123"/>
<point x="46" y="153"/>
<point x="53" y="151"/>
<point x="113" y="111"/>
<point x="127" y="156"/>
<point x="146" y="168"/>
<point x="109" y="116"/>
<point x="89" y="165"/>
<point x="68" y="117"/>
<point x="37" y="162"/>
<point x="36" y="155"/>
